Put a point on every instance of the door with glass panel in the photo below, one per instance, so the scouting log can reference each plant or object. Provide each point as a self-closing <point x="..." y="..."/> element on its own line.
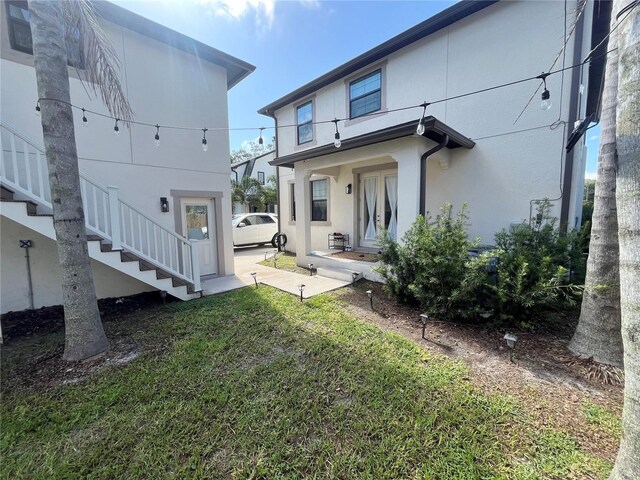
<point x="198" y="225"/>
<point x="378" y="206"/>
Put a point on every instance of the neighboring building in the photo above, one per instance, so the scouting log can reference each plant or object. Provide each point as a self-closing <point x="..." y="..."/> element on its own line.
<point x="472" y="150"/>
<point x="258" y="168"/>
<point x="163" y="192"/>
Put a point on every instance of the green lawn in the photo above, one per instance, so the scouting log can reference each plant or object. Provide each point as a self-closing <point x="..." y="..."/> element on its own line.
<point x="286" y="261"/>
<point x="256" y="384"/>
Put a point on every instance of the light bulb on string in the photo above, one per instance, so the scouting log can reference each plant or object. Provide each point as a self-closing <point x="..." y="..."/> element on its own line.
<point x="420" y="129"/>
<point x="205" y="146"/>
<point x="545" y="103"/>
<point x="116" y="128"/>
<point x="85" y="122"/>
<point x="337" y="143"/>
<point x="38" y="108"/>
<point x="156" y="139"/>
<point x="260" y="139"/>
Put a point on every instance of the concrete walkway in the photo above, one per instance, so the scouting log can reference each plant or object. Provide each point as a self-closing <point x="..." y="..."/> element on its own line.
<point x="246" y="262"/>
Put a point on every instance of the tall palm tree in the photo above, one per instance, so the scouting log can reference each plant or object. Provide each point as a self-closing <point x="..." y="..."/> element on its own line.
<point x="247" y="191"/>
<point x="55" y="28"/>
<point x="598" y="332"/>
<point x="627" y="464"/>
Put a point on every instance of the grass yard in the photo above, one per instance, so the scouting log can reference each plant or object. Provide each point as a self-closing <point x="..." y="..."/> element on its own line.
<point x="255" y="384"/>
<point x="286" y="261"/>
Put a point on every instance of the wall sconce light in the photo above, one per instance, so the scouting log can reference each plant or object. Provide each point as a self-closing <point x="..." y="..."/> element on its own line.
<point x="255" y="278"/>
<point x="370" y="295"/>
<point x="301" y="288"/>
<point x="511" y="343"/>
<point x="347" y="189"/>
<point x="423" y="319"/>
<point x="164" y="205"/>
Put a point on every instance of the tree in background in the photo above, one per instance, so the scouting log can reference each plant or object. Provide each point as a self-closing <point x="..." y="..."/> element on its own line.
<point x="587" y="201"/>
<point x="58" y="27"/>
<point x="252" y="150"/>
<point x="247" y="191"/>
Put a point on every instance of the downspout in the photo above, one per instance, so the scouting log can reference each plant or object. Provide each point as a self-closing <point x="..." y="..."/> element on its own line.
<point x="277" y="174"/>
<point x="235" y="172"/>
<point x="423" y="172"/>
<point x="573" y="116"/>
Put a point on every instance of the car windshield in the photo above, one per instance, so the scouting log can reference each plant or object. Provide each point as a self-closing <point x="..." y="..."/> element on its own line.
<point x="235" y="220"/>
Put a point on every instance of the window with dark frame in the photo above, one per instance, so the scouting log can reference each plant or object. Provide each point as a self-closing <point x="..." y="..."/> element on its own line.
<point x="319" y="200"/>
<point x="365" y="94"/>
<point x="261" y="178"/>
<point x="293" y="201"/>
<point x="304" y="117"/>
<point x="19" y="30"/>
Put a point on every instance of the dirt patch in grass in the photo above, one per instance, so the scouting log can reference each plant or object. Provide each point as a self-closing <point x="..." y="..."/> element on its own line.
<point x="544" y="375"/>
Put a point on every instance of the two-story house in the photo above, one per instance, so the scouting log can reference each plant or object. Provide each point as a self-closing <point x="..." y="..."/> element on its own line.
<point x="158" y="212"/>
<point x="260" y="170"/>
<point x="492" y="150"/>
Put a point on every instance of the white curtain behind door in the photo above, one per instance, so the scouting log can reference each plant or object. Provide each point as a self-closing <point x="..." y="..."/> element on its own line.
<point x="392" y="194"/>
<point x="371" y="196"/>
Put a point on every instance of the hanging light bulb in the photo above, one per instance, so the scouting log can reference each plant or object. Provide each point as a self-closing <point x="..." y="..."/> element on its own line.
<point x="85" y="123"/>
<point x="420" y="129"/>
<point x="38" y="108"/>
<point x="545" y="104"/>
<point x="157" y="137"/>
<point x="337" y="141"/>
<point x="116" y="128"/>
<point x="260" y="140"/>
<point x="205" y="147"/>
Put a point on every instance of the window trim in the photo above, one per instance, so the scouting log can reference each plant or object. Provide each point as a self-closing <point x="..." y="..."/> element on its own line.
<point x="298" y="125"/>
<point x="327" y="220"/>
<point x="313" y="142"/>
<point x="382" y="66"/>
<point x="292" y="202"/>
<point x="261" y="178"/>
<point x="367" y="94"/>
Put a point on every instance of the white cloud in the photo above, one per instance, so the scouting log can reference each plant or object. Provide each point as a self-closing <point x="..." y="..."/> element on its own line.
<point x="263" y="10"/>
<point x="590" y="175"/>
<point x="593" y="137"/>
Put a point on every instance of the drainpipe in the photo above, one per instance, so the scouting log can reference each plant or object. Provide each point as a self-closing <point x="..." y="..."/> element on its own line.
<point x="270" y="114"/>
<point x="423" y="172"/>
<point x="235" y="172"/>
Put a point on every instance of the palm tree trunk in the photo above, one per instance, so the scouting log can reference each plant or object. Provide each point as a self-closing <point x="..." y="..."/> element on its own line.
<point x="598" y="332"/>
<point x="627" y="464"/>
<point x="84" y="335"/>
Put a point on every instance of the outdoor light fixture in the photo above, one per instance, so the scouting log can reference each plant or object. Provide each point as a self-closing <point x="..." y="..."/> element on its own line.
<point x="511" y="343"/>
<point x="266" y="252"/>
<point x="275" y="258"/>
<point x="255" y="278"/>
<point x="545" y="104"/>
<point x="85" y="123"/>
<point x="337" y="141"/>
<point x="311" y="269"/>
<point x="164" y="205"/>
<point x="354" y="277"/>
<point x="301" y="288"/>
<point x="116" y="128"/>
<point x="38" y="108"/>
<point x="163" y="295"/>
<point x="260" y="140"/>
<point x="347" y="189"/>
<point x="205" y="147"/>
<point x="157" y="137"/>
<point x="423" y="319"/>
<point x="370" y="295"/>
<point x="420" y="129"/>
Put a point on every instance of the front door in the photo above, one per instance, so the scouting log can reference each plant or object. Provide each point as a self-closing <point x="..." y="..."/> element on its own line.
<point x="199" y="226"/>
<point x="378" y="206"/>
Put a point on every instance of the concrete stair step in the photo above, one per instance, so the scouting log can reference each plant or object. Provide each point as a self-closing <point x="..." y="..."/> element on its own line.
<point x="343" y="274"/>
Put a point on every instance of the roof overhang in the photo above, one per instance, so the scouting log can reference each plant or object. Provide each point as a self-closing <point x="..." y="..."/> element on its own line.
<point x="236" y="69"/>
<point x="434" y="130"/>
<point x="442" y="20"/>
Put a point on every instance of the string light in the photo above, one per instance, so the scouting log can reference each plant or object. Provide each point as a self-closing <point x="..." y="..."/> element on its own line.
<point x="38" y="108"/>
<point x="157" y="137"/>
<point x="260" y="140"/>
<point x="205" y="147"/>
<point x="337" y="141"/>
<point x="116" y="128"/>
<point x="420" y="129"/>
<point x="545" y="104"/>
<point x="85" y="123"/>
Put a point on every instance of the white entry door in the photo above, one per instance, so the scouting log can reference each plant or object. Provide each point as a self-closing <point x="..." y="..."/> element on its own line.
<point x="378" y="206"/>
<point x="199" y="226"/>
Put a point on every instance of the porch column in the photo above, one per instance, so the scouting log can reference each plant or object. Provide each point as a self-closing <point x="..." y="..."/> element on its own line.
<point x="408" y="188"/>
<point x="303" y="211"/>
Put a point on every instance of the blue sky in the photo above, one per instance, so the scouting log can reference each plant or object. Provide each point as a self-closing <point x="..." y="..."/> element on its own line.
<point x="290" y="42"/>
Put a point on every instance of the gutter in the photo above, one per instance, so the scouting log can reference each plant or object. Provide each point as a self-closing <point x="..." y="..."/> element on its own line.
<point x="423" y="172"/>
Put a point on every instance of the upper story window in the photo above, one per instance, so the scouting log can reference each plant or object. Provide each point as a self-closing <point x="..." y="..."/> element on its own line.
<point x="304" y="116"/>
<point x="365" y="94"/>
<point x="18" y="19"/>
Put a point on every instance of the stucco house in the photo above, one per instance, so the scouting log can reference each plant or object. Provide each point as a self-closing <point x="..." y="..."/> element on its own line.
<point x="475" y="149"/>
<point x="258" y="168"/>
<point x="159" y="217"/>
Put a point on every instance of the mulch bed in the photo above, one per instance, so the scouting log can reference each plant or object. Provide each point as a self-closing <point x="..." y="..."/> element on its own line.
<point x="360" y="256"/>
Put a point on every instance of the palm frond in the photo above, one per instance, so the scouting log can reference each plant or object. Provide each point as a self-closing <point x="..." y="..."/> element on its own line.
<point x="101" y="63"/>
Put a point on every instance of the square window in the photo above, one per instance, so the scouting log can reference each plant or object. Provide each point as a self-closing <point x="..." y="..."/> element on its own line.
<point x="365" y="94"/>
<point x="319" y="200"/>
<point x="304" y="119"/>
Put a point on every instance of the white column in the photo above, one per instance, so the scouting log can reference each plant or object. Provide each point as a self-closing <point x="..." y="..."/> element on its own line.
<point x="408" y="188"/>
<point x="303" y="211"/>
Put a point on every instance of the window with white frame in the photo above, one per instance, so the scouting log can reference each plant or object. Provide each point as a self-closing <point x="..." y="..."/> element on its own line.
<point x="365" y="94"/>
<point x="261" y="178"/>
<point x="292" y="202"/>
<point x="304" y="117"/>
<point x="319" y="194"/>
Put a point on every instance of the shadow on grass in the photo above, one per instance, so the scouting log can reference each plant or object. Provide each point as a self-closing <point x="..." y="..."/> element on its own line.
<point x="255" y="384"/>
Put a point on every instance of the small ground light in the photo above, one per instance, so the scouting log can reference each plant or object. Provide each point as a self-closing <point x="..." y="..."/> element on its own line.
<point x="255" y="278"/>
<point x="301" y="288"/>
<point x="423" y="319"/>
<point x="163" y="295"/>
<point x="275" y="259"/>
<point x="266" y="252"/>
<point x="370" y="295"/>
<point x="511" y="343"/>
<point x="354" y="277"/>
<point x="311" y="269"/>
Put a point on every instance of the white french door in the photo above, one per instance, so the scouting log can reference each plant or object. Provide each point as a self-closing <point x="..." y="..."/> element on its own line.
<point x="378" y="206"/>
<point x="199" y="226"/>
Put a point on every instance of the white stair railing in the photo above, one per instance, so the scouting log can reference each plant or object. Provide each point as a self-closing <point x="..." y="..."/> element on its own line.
<point x="23" y="169"/>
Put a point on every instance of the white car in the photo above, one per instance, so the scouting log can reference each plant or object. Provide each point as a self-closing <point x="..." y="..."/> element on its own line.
<point x="254" y="229"/>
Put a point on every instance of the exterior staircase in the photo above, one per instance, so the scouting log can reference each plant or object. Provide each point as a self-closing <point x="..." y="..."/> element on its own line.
<point x="119" y="235"/>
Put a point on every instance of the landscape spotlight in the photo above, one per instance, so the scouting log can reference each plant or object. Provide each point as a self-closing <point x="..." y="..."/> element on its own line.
<point x="255" y="278"/>
<point x="163" y="295"/>
<point x="511" y="343"/>
<point x="370" y="295"/>
<point x="275" y="259"/>
<point x="354" y="277"/>
<point x="311" y="269"/>
<point x="266" y="252"/>
<point x="423" y="319"/>
<point x="301" y="288"/>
